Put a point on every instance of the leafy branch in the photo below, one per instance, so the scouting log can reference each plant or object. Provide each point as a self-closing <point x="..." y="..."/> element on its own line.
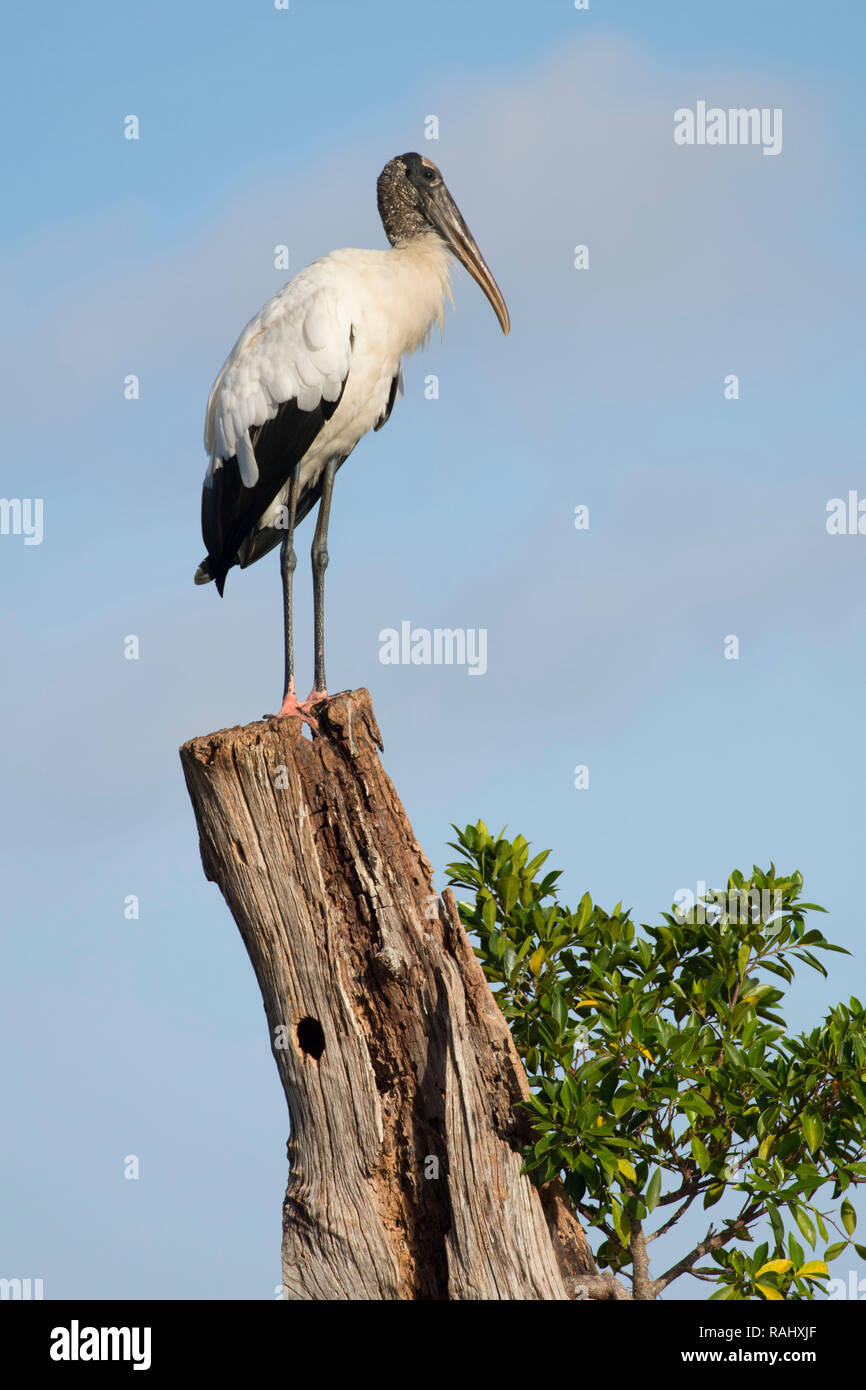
<point x="662" y="1073"/>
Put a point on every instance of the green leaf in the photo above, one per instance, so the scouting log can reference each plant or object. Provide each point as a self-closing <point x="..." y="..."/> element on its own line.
<point x="776" y="1222"/>
<point x="535" y="864"/>
<point x="693" y="1104"/>
<point x="621" y="1223"/>
<point x="654" y="1189"/>
<point x="805" y="1225"/>
<point x="559" y="1010"/>
<point x="849" y="1217"/>
<point x="766" y="1120"/>
<point x="835" y="1250"/>
<point x="584" y="912"/>
<point x="510" y="892"/>
<point x="700" y="1154"/>
<point x="795" y="1250"/>
<point x="813" y="1130"/>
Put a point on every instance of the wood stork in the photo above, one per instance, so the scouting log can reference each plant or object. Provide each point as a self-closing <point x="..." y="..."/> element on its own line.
<point x="315" y="370"/>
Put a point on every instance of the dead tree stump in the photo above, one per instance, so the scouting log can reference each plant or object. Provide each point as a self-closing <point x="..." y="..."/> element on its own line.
<point x="399" y="1070"/>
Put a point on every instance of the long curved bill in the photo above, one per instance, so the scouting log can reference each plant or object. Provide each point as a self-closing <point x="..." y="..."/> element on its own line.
<point x="448" y="221"/>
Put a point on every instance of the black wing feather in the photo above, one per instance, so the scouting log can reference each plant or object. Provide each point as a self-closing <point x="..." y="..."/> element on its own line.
<point x="229" y="510"/>
<point x="260" y="541"/>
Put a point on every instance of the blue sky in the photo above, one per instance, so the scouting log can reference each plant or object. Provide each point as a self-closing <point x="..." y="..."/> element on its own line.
<point x="605" y="647"/>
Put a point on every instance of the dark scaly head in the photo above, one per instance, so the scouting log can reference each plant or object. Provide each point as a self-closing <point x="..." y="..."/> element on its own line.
<point x="414" y="201"/>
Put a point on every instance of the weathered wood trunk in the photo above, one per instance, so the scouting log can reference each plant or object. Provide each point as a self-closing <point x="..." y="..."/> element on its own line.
<point x="399" y="1070"/>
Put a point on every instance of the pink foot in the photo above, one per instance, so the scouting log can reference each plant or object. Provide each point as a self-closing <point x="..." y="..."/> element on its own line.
<point x="313" y="699"/>
<point x="292" y="706"/>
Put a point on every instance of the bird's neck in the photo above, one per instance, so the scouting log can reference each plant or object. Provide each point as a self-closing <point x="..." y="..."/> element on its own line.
<point x="422" y="267"/>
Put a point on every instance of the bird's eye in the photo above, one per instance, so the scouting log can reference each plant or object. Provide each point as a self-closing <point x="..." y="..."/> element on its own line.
<point x="428" y="173"/>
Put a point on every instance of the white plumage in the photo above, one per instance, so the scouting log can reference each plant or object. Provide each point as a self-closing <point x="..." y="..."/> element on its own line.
<point x="352" y="309"/>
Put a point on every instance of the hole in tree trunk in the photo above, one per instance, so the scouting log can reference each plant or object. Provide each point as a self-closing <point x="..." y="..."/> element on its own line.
<point x="311" y="1038"/>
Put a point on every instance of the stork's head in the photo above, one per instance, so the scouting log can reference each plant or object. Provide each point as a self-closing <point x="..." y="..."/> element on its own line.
<point x="413" y="202"/>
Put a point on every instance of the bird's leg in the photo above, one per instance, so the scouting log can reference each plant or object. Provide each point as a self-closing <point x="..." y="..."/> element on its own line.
<point x="320" y="564"/>
<point x="288" y="561"/>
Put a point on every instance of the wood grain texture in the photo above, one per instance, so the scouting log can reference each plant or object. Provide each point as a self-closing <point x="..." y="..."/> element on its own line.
<point x="404" y="1155"/>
